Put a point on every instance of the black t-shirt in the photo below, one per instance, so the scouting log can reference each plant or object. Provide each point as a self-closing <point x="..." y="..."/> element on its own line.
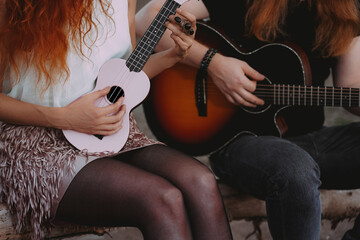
<point x="229" y="16"/>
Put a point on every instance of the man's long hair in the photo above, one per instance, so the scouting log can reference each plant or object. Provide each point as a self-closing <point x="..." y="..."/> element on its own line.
<point x="39" y="33"/>
<point x="337" y="22"/>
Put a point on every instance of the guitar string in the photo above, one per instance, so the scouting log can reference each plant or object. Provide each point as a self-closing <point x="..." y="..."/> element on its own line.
<point x="285" y="88"/>
<point x="321" y="96"/>
<point x="125" y="79"/>
<point x="157" y="25"/>
<point x="315" y="88"/>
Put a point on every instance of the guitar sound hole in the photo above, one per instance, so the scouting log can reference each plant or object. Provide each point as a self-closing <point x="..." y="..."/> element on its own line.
<point x="115" y="93"/>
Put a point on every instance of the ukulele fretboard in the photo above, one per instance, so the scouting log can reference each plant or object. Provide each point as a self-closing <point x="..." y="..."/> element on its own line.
<point x="151" y="37"/>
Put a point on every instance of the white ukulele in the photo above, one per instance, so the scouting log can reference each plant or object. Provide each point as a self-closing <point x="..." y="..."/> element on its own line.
<point x="126" y="79"/>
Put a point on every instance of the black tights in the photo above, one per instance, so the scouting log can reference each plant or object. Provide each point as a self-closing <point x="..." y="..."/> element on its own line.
<point x="163" y="192"/>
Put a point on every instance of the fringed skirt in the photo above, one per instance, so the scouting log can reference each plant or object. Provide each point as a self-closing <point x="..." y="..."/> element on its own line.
<point x="36" y="167"/>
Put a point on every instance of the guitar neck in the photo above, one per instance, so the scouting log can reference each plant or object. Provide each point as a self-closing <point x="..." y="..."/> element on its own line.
<point x="280" y="94"/>
<point x="151" y="37"/>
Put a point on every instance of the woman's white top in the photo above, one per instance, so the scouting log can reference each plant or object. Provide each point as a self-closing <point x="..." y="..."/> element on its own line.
<point x="113" y="41"/>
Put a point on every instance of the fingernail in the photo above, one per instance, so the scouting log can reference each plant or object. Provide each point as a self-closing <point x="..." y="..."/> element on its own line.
<point x="177" y="19"/>
<point x="187" y="26"/>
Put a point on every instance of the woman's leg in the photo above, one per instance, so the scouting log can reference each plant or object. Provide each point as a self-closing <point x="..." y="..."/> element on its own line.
<point x="108" y="192"/>
<point x="197" y="184"/>
<point x="153" y="200"/>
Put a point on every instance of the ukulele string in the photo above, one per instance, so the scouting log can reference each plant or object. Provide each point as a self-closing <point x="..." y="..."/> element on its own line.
<point x="126" y="78"/>
<point x="117" y="79"/>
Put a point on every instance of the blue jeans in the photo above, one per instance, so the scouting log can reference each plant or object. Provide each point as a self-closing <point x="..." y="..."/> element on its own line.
<point x="286" y="174"/>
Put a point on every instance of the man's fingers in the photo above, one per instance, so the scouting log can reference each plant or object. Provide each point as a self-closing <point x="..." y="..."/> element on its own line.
<point x="252" y="73"/>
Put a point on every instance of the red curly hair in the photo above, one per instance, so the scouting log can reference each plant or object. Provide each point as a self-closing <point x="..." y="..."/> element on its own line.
<point x="337" y="22"/>
<point x="40" y="32"/>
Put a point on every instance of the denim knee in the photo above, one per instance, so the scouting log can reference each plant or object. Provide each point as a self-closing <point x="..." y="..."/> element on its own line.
<point x="298" y="178"/>
<point x="267" y="166"/>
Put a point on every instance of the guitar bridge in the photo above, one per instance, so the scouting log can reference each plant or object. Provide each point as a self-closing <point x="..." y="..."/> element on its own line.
<point x="201" y="94"/>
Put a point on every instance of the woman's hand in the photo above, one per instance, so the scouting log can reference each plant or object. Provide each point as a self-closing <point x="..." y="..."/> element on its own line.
<point x="83" y="116"/>
<point x="183" y="38"/>
<point x="236" y="80"/>
<point x="183" y="28"/>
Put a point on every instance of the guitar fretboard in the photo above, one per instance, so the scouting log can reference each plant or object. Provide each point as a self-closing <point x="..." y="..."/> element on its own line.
<point x="309" y="95"/>
<point x="151" y="37"/>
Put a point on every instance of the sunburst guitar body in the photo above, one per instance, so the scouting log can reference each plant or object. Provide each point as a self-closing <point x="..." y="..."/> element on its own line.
<point x="173" y="117"/>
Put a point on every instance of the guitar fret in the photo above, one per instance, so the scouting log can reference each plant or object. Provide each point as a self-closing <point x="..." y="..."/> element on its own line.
<point x="337" y="99"/>
<point x="305" y="95"/>
<point x="333" y="90"/>
<point x="288" y="94"/>
<point x="279" y="101"/>
<point x="349" y="97"/>
<point x="318" y="95"/>
<point x="274" y="93"/>
<point x="283" y="95"/>
<point x="328" y="99"/>
<point x="322" y="96"/>
<point x="311" y="101"/>
<point x="341" y="93"/>
<point x="356" y="97"/>
<point x="293" y="94"/>
<point x="325" y="98"/>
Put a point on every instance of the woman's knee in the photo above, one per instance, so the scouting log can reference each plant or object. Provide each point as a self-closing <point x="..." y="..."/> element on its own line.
<point x="165" y="202"/>
<point x="202" y="181"/>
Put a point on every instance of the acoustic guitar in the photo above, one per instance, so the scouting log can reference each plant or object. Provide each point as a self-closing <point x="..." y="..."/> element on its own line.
<point x="126" y="79"/>
<point x="171" y="107"/>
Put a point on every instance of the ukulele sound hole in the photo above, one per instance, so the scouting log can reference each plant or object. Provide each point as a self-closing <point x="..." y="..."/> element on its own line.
<point x="115" y="93"/>
<point x="100" y="137"/>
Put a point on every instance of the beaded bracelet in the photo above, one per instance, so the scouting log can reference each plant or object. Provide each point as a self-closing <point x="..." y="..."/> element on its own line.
<point x="206" y="60"/>
<point x="201" y="82"/>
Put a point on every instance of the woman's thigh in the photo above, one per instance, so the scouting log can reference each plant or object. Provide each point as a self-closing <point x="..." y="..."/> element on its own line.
<point x="178" y="168"/>
<point x="110" y="192"/>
